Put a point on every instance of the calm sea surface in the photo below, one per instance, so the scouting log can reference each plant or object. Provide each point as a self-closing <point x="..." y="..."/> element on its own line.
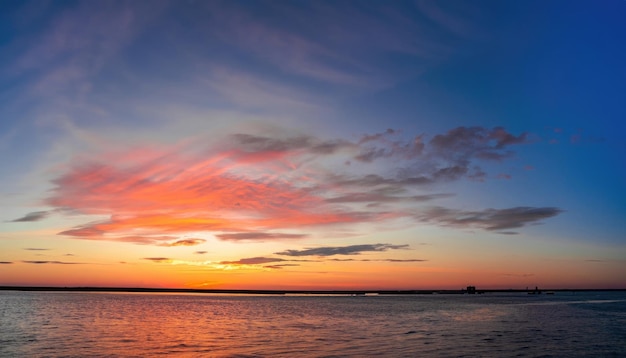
<point x="50" y="324"/>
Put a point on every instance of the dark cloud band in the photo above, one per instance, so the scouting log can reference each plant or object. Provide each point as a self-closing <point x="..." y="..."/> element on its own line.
<point x="342" y="250"/>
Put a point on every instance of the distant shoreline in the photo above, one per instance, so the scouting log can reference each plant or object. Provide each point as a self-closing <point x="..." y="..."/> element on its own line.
<point x="284" y="292"/>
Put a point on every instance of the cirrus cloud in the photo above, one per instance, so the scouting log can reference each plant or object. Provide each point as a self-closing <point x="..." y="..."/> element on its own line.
<point x="254" y="187"/>
<point x="259" y="236"/>
<point x="342" y="250"/>
<point x="253" y="261"/>
<point x="44" y="262"/>
<point x="185" y="242"/>
<point x="158" y="259"/>
<point x="34" y="216"/>
<point x="488" y="219"/>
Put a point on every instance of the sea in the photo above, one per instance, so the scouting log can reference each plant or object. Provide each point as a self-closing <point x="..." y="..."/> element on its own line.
<point x="83" y="324"/>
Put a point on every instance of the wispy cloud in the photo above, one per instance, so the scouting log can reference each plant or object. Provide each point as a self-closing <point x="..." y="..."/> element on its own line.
<point x="253" y="187"/>
<point x="280" y="266"/>
<point x="464" y="143"/>
<point x="342" y="250"/>
<point x="34" y="216"/>
<point x="38" y="262"/>
<point x="459" y="19"/>
<point x="347" y="57"/>
<point x="321" y="253"/>
<point x="78" y="43"/>
<point x="403" y="260"/>
<point x="35" y="249"/>
<point x="250" y="91"/>
<point x="184" y="242"/>
<point x="488" y="219"/>
<point x="518" y="274"/>
<point x="259" y="236"/>
<point x="5" y="262"/>
<point x="254" y="261"/>
<point x="382" y="196"/>
<point x="378" y="260"/>
<point x="159" y="259"/>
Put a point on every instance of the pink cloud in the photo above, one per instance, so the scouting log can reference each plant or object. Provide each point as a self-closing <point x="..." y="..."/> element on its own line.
<point x="253" y="187"/>
<point x="152" y="196"/>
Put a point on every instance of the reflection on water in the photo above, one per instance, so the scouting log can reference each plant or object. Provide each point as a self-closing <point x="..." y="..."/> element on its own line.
<point x="482" y="314"/>
<point x="37" y="324"/>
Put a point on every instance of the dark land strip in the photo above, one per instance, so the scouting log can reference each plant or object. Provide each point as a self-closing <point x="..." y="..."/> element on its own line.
<point x="283" y="292"/>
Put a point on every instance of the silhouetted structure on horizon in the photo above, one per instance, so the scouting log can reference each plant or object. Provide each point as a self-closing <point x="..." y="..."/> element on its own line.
<point x="536" y="291"/>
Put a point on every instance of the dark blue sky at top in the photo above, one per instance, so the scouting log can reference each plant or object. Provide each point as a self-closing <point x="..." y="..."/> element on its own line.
<point x="555" y="69"/>
<point x="559" y="63"/>
<point x="556" y="63"/>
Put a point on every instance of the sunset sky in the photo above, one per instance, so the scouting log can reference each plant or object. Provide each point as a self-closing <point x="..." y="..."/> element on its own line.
<point x="313" y="144"/>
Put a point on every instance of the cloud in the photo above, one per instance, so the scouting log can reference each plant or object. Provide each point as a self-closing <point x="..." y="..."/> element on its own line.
<point x="34" y="216"/>
<point x="92" y="231"/>
<point x="52" y="262"/>
<point x="464" y="143"/>
<point x="5" y="262"/>
<point x="77" y="43"/>
<point x="459" y="19"/>
<point x="153" y="193"/>
<point x="259" y="236"/>
<point x="280" y="266"/>
<point x="379" y="197"/>
<point x="488" y="219"/>
<point x="200" y="252"/>
<point x="379" y="260"/>
<point x="253" y="261"/>
<point x="346" y="58"/>
<point x="377" y="136"/>
<point x="342" y="250"/>
<point x="246" y="90"/>
<point x="384" y="145"/>
<point x="185" y="242"/>
<point x="35" y="249"/>
<point x="258" y="148"/>
<point x="258" y="187"/>
<point x="322" y="252"/>
<point x="445" y="157"/>
<point x="158" y="259"/>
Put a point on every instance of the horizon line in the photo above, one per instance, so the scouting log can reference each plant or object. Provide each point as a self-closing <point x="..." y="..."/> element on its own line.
<point x="289" y="291"/>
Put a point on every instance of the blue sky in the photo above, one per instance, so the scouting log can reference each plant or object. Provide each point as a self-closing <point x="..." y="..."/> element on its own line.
<point x="410" y="133"/>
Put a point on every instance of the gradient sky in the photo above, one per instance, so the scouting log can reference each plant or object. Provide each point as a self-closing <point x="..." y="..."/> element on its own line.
<point x="313" y="144"/>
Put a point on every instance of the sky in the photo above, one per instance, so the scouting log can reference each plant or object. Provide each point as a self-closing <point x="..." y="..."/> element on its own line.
<point x="313" y="144"/>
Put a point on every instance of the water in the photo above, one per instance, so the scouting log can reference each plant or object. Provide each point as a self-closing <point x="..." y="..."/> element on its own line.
<point x="65" y="324"/>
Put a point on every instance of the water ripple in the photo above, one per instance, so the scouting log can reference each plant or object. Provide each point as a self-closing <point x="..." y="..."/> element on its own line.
<point x="131" y="325"/>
